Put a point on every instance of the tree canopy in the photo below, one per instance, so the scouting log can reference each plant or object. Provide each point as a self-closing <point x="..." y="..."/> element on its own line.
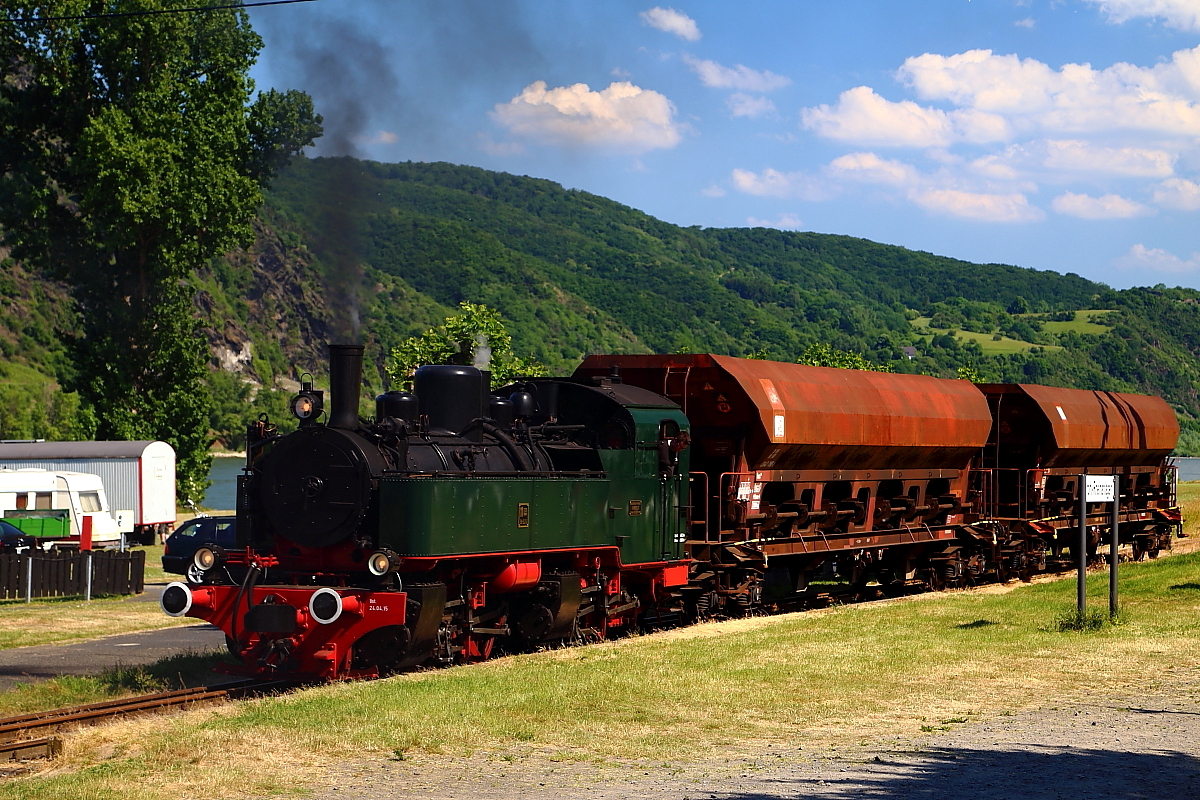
<point x="132" y="151"/>
<point x="454" y="342"/>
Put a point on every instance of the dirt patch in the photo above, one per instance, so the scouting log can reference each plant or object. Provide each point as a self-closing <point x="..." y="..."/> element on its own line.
<point x="1119" y="745"/>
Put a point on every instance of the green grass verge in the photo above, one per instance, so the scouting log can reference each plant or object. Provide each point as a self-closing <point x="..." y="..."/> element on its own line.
<point x="154" y="570"/>
<point x="179" y="671"/>
<point x="837" y="675"/>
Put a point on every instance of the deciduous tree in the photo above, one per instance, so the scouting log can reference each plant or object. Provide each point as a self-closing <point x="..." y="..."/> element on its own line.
<point x="132" y="150"/>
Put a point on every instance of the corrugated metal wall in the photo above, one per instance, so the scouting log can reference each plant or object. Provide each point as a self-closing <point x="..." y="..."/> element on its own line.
<point x="119" y="476"/>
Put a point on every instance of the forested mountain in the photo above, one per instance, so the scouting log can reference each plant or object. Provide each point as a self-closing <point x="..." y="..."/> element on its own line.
<point x="393" y="248"/>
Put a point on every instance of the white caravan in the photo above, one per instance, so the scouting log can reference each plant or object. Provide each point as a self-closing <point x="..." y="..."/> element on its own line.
<point x="80" y="493"/>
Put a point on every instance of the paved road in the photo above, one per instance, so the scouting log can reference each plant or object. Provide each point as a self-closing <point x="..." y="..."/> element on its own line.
<point x="30" y="664"/>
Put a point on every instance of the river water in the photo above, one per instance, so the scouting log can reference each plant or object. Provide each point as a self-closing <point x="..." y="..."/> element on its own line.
<point x="1189" y="469"/>
<point x="222" y="494"/>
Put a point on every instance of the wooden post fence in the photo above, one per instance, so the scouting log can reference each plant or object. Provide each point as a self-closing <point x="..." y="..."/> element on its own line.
<point x="66" y="574"/>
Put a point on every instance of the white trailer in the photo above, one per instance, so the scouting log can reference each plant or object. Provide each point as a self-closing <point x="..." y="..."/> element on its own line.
<point x="138" y="476"/>
<point x="81" y="494"/>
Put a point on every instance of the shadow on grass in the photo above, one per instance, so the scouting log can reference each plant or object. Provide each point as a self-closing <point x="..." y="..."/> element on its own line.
<point x="979" y="623"/>
<point x="1031" y="773"/>
<point x="179" y="671"/>
<point x="1186" y="586"/>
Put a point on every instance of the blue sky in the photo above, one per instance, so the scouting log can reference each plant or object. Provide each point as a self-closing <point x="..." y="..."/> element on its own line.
<point x="1054" y="134"/>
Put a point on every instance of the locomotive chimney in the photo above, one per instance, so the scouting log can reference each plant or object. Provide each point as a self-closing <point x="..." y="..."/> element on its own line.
<point x="345" y="380"/>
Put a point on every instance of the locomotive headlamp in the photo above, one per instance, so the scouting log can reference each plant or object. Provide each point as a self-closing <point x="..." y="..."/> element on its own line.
<point x="204" y="559"/>
<point x="325" y="605"/>
<point x="381" y="563"/>
<point x="306" y="405"/>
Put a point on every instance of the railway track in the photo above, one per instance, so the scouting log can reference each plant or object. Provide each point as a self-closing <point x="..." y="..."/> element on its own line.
<point x="25" y="736"/>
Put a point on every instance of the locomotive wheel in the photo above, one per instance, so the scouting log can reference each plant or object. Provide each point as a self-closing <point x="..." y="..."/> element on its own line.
<point x="534" y="624"/>
<point x="382" y="649"/>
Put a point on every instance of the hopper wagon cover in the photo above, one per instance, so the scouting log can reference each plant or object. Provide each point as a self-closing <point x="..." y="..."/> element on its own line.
<point x="790" y="416"/>
<point x="1046" y="426"/>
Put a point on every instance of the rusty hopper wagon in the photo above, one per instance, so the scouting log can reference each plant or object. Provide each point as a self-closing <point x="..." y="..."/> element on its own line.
<point x="458" y="524"/>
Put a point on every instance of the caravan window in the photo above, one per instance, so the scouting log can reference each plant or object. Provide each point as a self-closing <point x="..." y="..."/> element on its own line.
<point x="89" y="501"/>
<point x="41" y="501"/>
<point x="22" y="500"/>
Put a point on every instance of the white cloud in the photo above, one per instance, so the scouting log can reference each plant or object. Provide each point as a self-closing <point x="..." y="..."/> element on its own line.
<point x="669" y="20"/>
<point x="1031" y="97"/>
<point x="941" y="192"/>
<point x="739" y="76"/>
<point x="745" y="105"/>
<point x="712" y="190"/>
<point x="1081" y="156"/>
<point x="1028" y="22"/>
<point x="787" y="222"/>
<point x="1178" y="193"/>
<point x="873" y="169"/>
<point x="1183" y="14"/>
<point x="982" y="206"/>
<point x="379" y="137"/>
<point x="622" y="116"/>
<point x="863" y="117"/>
<point x="1141" y="257"/>
<point x="997" y="166"/>
<point x="1109" y="206"/>
<point x="501" y="149"/>
<point x="773" y="183"/>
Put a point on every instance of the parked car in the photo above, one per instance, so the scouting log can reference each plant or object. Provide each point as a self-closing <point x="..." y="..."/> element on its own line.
<point x="12" y="538"/>
<point x="189" y="537"/>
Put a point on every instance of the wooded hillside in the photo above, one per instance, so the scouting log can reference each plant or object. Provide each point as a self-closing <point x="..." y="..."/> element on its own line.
<point x="573" y="273"/>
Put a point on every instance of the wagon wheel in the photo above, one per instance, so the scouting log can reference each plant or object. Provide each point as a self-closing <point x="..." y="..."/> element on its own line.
<point x="892" y="584"/>
<point x="934" y="578"/>
<point x="1139" y="549"/>
<point x="954" y="571"/>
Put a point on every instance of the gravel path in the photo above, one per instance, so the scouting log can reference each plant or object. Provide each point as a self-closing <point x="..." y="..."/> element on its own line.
<point x="1129" y="745"/>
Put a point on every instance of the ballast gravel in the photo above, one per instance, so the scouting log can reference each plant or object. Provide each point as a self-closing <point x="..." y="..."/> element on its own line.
<point x="1128" y="745"/>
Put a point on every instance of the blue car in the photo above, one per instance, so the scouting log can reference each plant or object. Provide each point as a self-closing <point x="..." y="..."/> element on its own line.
<point x="189" y="537"/>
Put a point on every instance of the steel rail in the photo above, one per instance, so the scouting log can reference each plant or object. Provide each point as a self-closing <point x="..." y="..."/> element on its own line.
<point x="14" y="731"/>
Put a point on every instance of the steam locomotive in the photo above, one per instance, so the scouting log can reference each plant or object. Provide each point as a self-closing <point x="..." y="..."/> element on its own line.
<point x="648" y="490"/>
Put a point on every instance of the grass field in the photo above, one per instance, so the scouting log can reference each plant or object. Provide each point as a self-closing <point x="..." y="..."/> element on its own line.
<point x="54" y="620"/>
<point x="841" y="675"/>
<point x="1084" y="322"/>
<point x="14" y="373"/>
<point x="987" y="343"/>
<point x="71" y="620"/>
